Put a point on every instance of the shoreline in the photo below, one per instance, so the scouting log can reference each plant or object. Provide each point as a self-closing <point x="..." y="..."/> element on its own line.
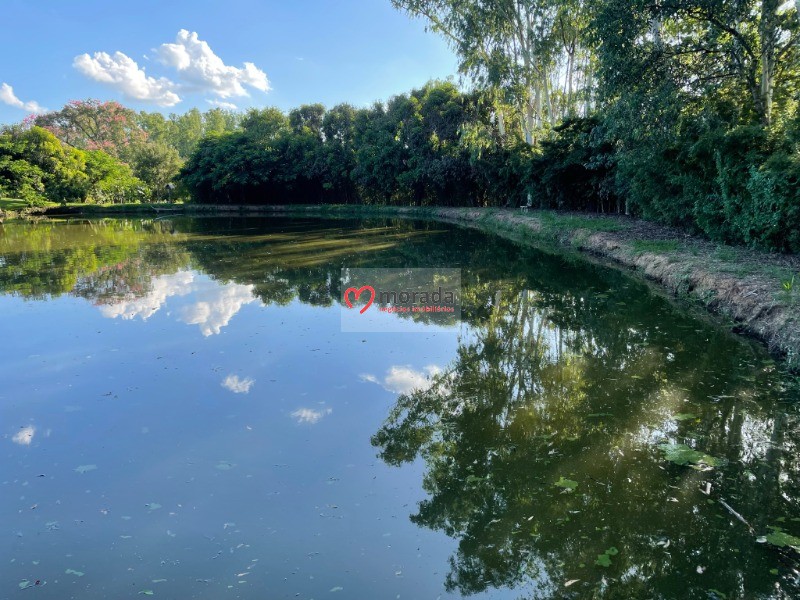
<point x="742" y="285"/>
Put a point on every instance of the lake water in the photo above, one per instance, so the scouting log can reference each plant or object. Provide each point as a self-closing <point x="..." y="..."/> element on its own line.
<point x="182" y="416"/>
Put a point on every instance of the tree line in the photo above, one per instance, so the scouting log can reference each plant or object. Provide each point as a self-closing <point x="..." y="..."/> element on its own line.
<point x="680" y="111"/>
<point x="102" y="152"/>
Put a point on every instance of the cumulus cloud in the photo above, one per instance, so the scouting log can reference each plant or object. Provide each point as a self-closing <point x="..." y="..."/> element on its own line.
<point x="309" y="415"/>
<point x="200" y="68"/>
<point x="238" y="386"/>
<point x="217" y="306"/>
<point x="221" y="104"/>
<point x="8" y="96"/>
<point x="404" y="379"/>
<point x="124" y="75"/>
<point x="145" y="307"/>
<point x="24" y="436"/>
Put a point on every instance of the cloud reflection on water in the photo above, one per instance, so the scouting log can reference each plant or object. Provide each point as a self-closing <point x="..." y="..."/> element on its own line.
<point x="214" y="304"/>
<point x="24" y="436"/>
<point x="403" y="379"/>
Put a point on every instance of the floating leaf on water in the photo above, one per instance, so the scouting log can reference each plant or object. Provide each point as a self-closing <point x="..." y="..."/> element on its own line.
<point x="570" y="582"/>
<point x="338" y="588"/>
<point x="716" y="594"/>
<point x="684" y="417"/>
<point x="773" y="571"/>
<point x="680" y="454"/>
<point x="224" y="465"/>
<point x="74" y="572"/>
<point x="147" y="593"/>
<point x="781" y="539"/>
<point x="85" y="469"/>
<point x="152" y="506"/>
<point x="567" y="484"/>
<point x="473" y="479"/>
<point x="25" y="584"/>
<point x="604" y="560"/>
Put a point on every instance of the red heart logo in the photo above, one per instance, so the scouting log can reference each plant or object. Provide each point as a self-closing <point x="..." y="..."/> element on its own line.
<point x="357" y="292"/>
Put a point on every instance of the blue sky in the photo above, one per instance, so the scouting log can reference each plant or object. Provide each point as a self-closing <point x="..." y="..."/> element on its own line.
<point x="173" y="56"/>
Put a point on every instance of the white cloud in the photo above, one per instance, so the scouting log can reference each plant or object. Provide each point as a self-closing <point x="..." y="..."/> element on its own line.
<point x="221" y="104"/>
<point x="7" y="96"/>
<point x="213" y="306"/>
<point x="404" y="379"/>
<point x="217" y="307"/>
<point x="24" y="436"/>
<point x="123" y="74"/>
<point x="309" y="415"/>
<point x="163" y="287"/>
<point x="203" y="70"/>
<point x="238" y="386"/>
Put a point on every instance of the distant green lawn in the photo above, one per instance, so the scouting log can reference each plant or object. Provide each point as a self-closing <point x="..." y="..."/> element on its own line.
<point x="13" y="204"/>
<point x="17" y="204"/>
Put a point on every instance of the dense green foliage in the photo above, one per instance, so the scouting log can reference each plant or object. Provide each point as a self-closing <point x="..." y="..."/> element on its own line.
<point x="91" y="151"/>
<point x="700" y="99"/>
<point x="420" y="148"/>
<point x="680" y="111"/>
<point x="35" y="166"/>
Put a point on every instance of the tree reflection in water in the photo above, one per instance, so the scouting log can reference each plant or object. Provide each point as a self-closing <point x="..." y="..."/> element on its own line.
<point x="554" y="382"/>
<point x="565" y="373"/>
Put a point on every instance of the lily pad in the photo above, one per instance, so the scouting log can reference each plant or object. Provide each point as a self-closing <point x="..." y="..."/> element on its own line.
<point x="604" y="560"/>
<point x="85" y="469"/>
<point x="781" y="539"/>
<point x="567" y="484"/>
<point x="680" y="454"/>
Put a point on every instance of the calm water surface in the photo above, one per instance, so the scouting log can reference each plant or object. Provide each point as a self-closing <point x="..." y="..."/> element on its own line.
<point x="181" y="416"/>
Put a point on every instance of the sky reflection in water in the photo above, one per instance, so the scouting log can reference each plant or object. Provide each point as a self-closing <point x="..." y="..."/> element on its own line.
<point x="181" y="414"/>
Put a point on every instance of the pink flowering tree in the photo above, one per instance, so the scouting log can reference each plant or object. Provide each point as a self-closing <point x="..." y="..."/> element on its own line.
<point x="94" y="125"/>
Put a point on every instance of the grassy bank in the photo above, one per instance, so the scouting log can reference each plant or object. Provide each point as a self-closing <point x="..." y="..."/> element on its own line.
<point x="757" y="291"/>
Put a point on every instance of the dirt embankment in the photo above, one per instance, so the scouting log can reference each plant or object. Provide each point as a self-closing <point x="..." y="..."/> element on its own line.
<point x="753" y="289"/>
<point x="758" y="291"/>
